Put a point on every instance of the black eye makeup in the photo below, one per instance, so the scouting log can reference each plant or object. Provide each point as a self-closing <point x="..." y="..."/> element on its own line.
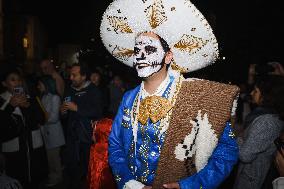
<point x="150" y="49"/>
<point x="136" y="50"/>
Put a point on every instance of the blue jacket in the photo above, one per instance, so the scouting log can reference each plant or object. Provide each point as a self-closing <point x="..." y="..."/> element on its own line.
<point x="218" y="168"/>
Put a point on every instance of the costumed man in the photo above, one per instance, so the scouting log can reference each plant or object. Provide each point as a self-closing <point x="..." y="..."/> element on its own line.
<point x="169" y="132"/>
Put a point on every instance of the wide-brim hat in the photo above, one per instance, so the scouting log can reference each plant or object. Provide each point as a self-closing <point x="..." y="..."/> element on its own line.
<point x="178" y="22"/>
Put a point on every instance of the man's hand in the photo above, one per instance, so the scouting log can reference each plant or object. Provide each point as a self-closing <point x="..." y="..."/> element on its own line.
<point x="279" y="160"/>
<point x="173" y="185"/>
<point x="63" y="108"/>
<point x="71" y="106"/>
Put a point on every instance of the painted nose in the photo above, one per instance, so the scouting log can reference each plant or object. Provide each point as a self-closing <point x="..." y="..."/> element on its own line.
<point x="142" y="57"/>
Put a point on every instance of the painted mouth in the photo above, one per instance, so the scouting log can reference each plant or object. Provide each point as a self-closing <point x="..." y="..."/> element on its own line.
<point x="144" y="65"/>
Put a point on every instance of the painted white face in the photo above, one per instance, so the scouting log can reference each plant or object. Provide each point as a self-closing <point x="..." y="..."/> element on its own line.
<point x="148" y="56"/>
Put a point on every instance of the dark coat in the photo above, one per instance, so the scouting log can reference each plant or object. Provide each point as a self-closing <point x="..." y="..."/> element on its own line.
<point x="90" y="108"/>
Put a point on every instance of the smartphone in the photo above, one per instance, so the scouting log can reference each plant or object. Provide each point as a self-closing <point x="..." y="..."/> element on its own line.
<point x="18" y="90"/>
<point x="67" y="99"/>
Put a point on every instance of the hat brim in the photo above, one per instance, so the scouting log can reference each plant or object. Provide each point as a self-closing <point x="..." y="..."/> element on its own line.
<point x="178" y="22"/>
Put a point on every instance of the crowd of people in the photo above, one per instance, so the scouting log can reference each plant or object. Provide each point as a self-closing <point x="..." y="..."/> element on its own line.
<point x="46" y="122"/>
<point x="168" y="132"/>
<point x="47" y="137"/>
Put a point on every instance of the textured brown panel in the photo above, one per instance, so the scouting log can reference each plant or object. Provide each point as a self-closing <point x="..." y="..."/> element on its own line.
<point x="213" y="98"/>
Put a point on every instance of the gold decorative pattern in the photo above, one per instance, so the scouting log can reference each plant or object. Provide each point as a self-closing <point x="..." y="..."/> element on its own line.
<point x="190" y="43"/>
<point x="126" y="111"/>
<point x="177" y="67"/>
<point x="131" y="152"/>
<point x="156" y="14"/>
<point x="119" y="24"/>
<point x="125" y="125"/>
<point x="117" y="178"/>
<point x="122" y="53"/>
<point x="232" y="134"/>
<point x="153" y="107"/>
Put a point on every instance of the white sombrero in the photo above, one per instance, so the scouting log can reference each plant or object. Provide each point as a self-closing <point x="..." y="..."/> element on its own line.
<point x="186" y="31"/>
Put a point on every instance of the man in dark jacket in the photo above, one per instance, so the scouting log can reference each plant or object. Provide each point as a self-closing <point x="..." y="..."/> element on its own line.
<point x="82" y="105"/>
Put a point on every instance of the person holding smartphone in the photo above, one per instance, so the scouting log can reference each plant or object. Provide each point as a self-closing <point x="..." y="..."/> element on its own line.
<point x="82" y="105"/>
<point x="24" y="153"/>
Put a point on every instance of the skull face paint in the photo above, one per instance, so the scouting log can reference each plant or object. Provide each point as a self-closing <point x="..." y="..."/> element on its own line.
<point x="148" y="56"/>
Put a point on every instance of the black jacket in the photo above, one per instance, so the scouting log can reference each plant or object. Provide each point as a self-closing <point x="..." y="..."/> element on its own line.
<point x="90" y="107"/>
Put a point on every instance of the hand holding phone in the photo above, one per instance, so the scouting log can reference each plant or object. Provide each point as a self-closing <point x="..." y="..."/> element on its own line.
<point x="18" y="91"/>
<point x="67" y="99"/>
<point x="63" y="108"/>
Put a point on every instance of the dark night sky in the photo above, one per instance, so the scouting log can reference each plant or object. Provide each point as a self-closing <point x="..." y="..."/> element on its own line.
<point x="65" y="21"/>
<point x="250" y="24"/>
<point x="247" y="30"/>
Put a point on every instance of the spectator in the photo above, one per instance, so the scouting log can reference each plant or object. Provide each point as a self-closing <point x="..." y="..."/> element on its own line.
<point x="24" y="153"/>
<point x="262" y="125"/>
<point x="52" y="129"/>
<point x="48" y="68"/>
<point x="98" y="80"/>
<point x="116" y="91"/>
<point x="83" y="104"/>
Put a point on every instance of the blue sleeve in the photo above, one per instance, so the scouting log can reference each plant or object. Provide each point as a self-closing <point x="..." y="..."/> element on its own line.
<point x="219" y="165"/>
<point x="117" y="156"/>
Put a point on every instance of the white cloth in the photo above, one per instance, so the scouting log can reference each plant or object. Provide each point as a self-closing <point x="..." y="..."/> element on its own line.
<point x="37" y="139"/>
<point x="52" y="130"/>
<point x="133" y="184"/>
<point x="278" y="183"/>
